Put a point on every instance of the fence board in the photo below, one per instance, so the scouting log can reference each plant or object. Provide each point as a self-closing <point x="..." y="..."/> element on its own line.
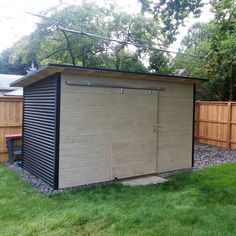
<point x="10" y="121"/>
<point x="215" y="123"/>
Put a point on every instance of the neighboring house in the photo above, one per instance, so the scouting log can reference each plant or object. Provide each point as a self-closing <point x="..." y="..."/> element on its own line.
<point x="5" y="80"/>
<point x="18" y="92"/>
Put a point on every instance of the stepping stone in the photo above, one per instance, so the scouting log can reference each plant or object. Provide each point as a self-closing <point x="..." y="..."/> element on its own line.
<point x="144" y="181"/>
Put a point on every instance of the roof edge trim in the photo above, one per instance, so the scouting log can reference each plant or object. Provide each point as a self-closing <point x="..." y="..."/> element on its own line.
<point x="50" y="69"/>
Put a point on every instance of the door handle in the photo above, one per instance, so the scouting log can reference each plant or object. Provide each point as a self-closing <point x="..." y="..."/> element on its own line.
<point x="155" y="128"/>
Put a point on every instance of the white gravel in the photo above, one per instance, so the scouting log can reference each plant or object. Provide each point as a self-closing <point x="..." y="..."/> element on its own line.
<point x="204" y="155"/>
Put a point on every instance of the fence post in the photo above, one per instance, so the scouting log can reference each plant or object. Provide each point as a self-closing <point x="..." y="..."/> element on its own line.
<point x="229" y="124"/>
<point x="196" y="119"/>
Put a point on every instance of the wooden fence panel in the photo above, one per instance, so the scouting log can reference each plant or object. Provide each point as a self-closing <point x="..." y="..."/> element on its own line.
<point x="10" y="121"/>
<point x="215" y="123"/>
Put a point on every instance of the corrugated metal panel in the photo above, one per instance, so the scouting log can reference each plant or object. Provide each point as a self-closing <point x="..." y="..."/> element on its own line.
<point x="40" y="124"/>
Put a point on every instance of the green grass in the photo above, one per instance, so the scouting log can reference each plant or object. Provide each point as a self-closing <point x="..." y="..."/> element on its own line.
<point x="198" y="203"/>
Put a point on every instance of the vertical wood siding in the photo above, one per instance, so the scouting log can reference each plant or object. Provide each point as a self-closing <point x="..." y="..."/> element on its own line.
<point x="215" y="123"/>
<point x="175" y="115"/>
<point x="39" y="128"/>
<point x="133" y="138"/>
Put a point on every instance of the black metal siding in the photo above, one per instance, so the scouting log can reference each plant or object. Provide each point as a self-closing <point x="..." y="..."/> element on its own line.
<point x="40" y="129"/>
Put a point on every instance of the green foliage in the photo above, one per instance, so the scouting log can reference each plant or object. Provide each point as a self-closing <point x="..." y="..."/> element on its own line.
<point x="7" y="66"/>
<point x="159" y="63"/>
<point x="172" y="13"/>
<point x="49" y="43"/>
<point x="195" y="203"/>
<point x="215" y="44"/>
<point x="221" y="64"/>
<point x="196" y="42"/>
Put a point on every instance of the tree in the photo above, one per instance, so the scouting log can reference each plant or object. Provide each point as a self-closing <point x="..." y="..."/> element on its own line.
<point x="159" y="63"/>
<point x="215" y="44"/>
<point x="9" y="67"/>
<point x="222" y="57"/>
<point x="52" y="43"/>
<point x="196" y="43"/>
<point x="172" y="13"/>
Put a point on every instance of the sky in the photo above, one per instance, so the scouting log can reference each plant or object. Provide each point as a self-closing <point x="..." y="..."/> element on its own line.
<point x="14" y="24"/>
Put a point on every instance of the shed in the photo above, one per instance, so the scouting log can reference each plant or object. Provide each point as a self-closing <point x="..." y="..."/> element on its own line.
<point x="84" y="125"/>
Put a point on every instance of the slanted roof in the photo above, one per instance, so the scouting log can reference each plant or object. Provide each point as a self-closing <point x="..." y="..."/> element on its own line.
<point x="6" y="80"/>
<point x="50" y="69"/>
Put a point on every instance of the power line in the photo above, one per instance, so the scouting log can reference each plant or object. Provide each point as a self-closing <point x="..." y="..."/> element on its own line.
<point x="14" y="19"/>
<point x="146" y="46"/>
<point x="26" y="12"/>
<point x="123" y="42"/>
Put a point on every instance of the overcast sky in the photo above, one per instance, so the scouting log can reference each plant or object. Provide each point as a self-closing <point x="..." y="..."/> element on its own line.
<point x="14" y="24"/>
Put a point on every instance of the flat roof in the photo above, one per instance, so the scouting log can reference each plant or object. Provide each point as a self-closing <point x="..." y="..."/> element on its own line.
<point x="51" y="69"/>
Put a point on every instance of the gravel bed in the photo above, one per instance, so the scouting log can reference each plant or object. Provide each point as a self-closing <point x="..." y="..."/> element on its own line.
<point x="36" y="182"/>
<point x="204" y="155"/>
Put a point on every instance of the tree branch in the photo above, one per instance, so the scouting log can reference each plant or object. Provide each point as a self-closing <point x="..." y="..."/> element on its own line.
<point x="55" y="52"/>
<point x="69" y="47"/>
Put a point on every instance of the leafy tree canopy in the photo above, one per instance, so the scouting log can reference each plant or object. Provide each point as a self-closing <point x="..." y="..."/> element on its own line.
<point x="172" y="13"/>
<point x="50" y="43"/>
<point x="215" y="42"/>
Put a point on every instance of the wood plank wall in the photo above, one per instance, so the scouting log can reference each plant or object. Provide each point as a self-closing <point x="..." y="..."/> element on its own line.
<point x="10" y="121"/>
<point x="215" y="123"/>
<point x="87" y="113"/>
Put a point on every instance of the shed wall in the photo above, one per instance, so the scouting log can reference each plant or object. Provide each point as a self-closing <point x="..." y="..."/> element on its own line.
<point x="174" y="144"/>
<point x="174" y="138"/>
<point x="39" y="129"/>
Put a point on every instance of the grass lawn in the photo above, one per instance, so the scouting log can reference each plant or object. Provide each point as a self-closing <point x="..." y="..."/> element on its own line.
<point x="198" y="203"/>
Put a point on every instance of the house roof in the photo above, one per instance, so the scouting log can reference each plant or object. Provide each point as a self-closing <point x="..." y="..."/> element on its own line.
<point x="17" y="92"/>
<point x="6" y="80"/>
<point x="50" y="69"/>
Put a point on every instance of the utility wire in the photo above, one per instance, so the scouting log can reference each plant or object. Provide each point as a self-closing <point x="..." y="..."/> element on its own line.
<point x="26" y="12"/>
<point x="123" y="42"/>
<point x="102" y="37"/>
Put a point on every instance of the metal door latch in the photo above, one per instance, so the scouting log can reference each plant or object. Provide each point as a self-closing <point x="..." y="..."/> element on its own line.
<point x="155" y="128"/>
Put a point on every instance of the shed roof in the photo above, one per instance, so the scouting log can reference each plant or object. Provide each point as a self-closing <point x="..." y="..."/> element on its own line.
<point x="50" y="69"/>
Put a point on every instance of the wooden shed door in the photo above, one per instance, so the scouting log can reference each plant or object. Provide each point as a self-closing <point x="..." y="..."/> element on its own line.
<point x="86" y="133"/>
<point x="134" y="141"/>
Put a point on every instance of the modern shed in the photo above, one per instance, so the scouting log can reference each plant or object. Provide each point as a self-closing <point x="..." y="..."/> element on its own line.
<point x="85" y="125"/>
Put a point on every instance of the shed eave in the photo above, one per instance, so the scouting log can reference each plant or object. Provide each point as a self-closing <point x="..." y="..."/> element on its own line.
<point x="50" y="69"/>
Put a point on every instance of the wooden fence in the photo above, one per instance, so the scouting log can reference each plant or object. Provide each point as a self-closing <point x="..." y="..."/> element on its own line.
<point x="215" y="123"/>
<point x="10" y="121"/>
